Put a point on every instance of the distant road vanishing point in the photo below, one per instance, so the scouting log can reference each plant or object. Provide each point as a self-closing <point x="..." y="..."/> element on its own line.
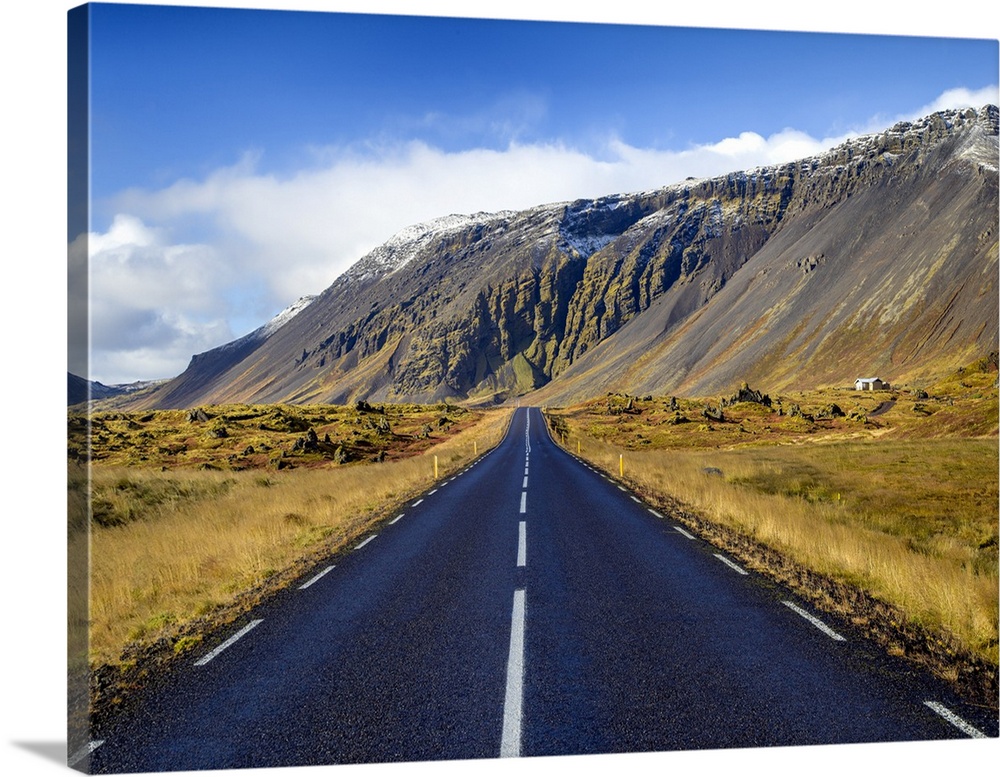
<point x="526" y="606"/>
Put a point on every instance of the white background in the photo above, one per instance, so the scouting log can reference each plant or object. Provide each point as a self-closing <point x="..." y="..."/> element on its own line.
<point x="32" y="419"/>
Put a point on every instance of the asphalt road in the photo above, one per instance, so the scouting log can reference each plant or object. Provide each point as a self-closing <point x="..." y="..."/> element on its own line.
<point x="527" y="606"/>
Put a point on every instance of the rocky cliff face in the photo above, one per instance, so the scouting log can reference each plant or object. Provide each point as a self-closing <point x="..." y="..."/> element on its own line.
<point x="878" y="256"/>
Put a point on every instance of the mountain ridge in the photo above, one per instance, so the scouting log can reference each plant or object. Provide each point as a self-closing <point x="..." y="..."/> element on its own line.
<point x="781" y="274"/>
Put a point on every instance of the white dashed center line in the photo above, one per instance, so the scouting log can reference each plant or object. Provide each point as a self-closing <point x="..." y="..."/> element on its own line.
<point x="686" y="534"/>
<point x="524" y="501"/>
<point x="510" y="741"/>
<point x="522" y="544"/>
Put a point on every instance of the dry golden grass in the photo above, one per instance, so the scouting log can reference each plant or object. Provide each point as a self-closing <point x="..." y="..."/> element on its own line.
<point x="913" y="523"/>
<point x="197" y="540"/>
<point x="896" y="495"/>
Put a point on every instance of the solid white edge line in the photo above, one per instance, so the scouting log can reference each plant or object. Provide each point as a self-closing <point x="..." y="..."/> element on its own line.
<point x="685" y="533"/>
<point x="365" y="542"/>
<point x="510" y="740"/>
<point x="730" y="564"/>
<point x="522" y="544"/>
<point x="524" y="501"/>
<point x="304" y="586"/>
<point x="955" y="720"/>
<point x="814" y="621"/>
<point x="83" y="752"/>
<point x="228" y="643"/>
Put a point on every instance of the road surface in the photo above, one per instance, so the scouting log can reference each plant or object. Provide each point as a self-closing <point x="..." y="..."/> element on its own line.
<point x="526" y="606"/>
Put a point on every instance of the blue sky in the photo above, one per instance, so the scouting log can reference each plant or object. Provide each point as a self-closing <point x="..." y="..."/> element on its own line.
<point x="243" y="158"/>
<point x="182" y="91"/>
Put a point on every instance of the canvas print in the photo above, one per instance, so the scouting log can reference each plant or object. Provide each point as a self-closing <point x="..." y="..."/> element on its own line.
<point x="460" y="389"/>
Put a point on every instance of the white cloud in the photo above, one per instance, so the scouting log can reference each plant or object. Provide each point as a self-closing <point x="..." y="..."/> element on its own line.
<point x="300" y="232"/>
<point x="949" y="100"/>
<point x="264" y="240"/>
<point x="151" y="305"/>
<point x="960" y="98"/>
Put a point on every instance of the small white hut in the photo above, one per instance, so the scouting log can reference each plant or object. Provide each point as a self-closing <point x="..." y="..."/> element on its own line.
<point x="870" y="384"/>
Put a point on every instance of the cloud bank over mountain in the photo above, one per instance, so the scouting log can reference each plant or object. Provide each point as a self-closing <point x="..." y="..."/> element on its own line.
<point x="198" y="262"/>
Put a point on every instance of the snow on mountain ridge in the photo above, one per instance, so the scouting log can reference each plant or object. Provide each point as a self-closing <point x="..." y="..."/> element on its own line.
<point x="580" y="233"/>
<point x="396" y="252"/>
<point x="272" y="326"/>
<point x="577" y="230"/>
<point x="285" y="316"/>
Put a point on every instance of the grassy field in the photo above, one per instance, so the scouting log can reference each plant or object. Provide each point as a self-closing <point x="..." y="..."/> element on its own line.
<point x="189" y="529"/>
<point x="242" y="437"/>
<point x="893" y="494"/>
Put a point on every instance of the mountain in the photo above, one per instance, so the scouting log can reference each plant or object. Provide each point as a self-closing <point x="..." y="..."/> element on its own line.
<point x="81" y="390"/>
<point x="878" y="257"/>
<point x="202" y="374"/>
